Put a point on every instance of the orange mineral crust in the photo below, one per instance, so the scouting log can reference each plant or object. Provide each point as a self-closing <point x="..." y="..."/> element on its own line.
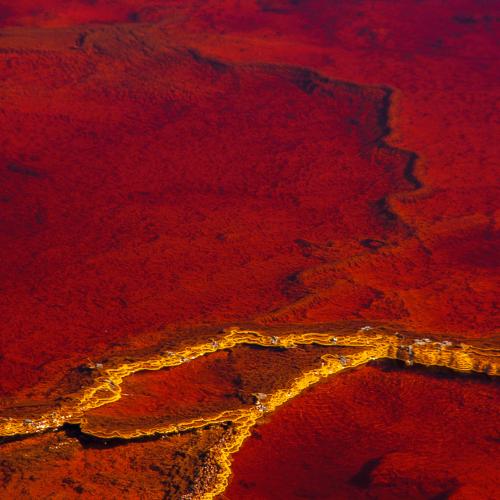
<point x="377" y="433"/>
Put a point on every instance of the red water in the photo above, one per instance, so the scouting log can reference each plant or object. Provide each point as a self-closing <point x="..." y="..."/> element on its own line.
<point x="376" y="434"/>
<point x="169" y="165"/>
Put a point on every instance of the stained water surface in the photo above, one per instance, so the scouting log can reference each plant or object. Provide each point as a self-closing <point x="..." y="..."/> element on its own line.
<point x="248" y="249"/>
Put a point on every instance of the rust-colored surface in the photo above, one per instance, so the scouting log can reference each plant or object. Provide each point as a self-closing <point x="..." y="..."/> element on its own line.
<point x="194" y="196"/>
<point x="373" y="433"/>
<point x="170" y="168"/>
<point x="70" y="465"/>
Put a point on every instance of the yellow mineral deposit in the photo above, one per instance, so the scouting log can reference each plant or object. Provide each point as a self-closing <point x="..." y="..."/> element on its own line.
<point x="371" y="343"/>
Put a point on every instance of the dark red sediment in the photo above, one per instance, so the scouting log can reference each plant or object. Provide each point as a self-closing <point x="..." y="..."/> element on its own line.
<point x="377" y="433"/>
<point x="198" y="195"/>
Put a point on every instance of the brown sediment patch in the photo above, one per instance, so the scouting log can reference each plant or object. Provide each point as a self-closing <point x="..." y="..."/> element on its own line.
<point x="69" y="464"/>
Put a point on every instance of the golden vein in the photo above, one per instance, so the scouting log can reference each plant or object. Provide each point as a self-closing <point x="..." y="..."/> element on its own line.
<point x="374" y="346"/>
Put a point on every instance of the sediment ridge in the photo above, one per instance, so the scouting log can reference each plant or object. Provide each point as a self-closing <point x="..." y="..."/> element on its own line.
<point x="368" y="344"/>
